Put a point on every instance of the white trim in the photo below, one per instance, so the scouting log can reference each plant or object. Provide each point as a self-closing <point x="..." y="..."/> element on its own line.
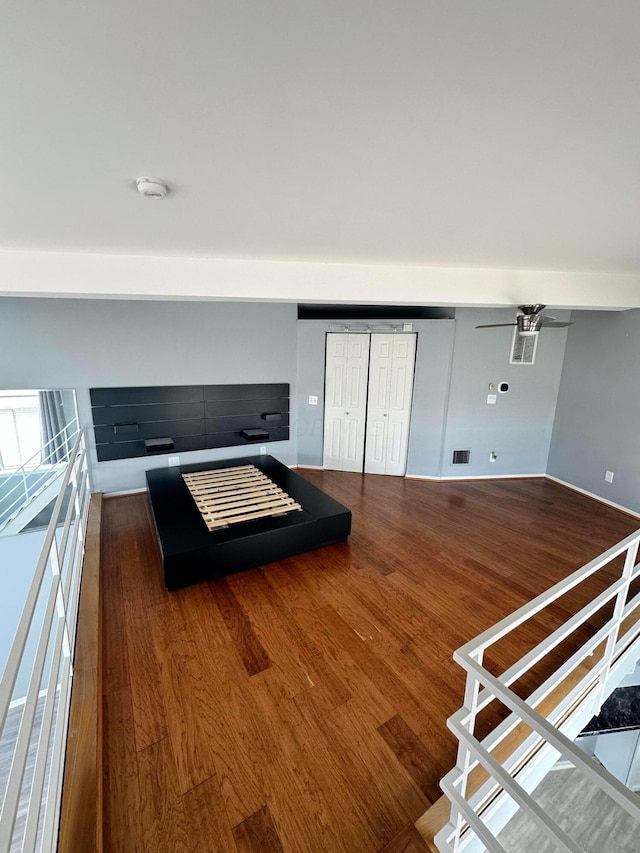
<point x="309" y="467"/>
<point x="475" y="477"/>
<point x="124" y="492"/>
<point x="592" y="495"/>
<point x="431" y="479"/>
<point x="557" y="480"/>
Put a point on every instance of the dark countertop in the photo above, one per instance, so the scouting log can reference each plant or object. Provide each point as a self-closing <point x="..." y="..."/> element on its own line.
<point x="620" y="712"/>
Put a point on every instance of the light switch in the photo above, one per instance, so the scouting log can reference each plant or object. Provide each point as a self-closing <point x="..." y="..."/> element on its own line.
<point x="313" y="401"/>
<point x="491" y="399"/>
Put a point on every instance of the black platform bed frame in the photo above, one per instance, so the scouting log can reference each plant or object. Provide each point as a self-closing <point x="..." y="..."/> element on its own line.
<point x="191" y="553"/>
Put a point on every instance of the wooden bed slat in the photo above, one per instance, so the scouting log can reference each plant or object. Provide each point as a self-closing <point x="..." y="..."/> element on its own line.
<point x="217" y="484"/>
<point x="229" y="474"/>
<point x="219" y="472"/>
<point x="230" y="484"/>
<point x="249" y="517"/>
<point x="235" y="495"/>
<point x="229" y="497"/>
<point x="241" y="500"/>
<point x="241" y="508"/>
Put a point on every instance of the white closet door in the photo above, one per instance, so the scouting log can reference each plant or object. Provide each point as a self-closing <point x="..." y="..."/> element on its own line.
<point x="345" y="410"/>
<point x="389" y="408"/>
<point x="380" y="364"/>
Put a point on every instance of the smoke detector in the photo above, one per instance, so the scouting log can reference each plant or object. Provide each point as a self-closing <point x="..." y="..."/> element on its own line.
<point x="151" y="188"/>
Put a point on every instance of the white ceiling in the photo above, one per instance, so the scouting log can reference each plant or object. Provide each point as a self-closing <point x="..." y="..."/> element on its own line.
<point x="470" y="133"/>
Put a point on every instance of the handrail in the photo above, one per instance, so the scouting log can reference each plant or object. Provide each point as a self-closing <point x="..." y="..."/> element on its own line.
<point x="24" y="473"/>
<point x="478" y="811"/>
<point x="47" y="442"/>
<point x="55" y="586"/>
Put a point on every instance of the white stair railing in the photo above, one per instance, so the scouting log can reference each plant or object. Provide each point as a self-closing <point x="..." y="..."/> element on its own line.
<point x="573" y="694"/>
<point x="37" y="472"/>
<point x="31" y="792"/>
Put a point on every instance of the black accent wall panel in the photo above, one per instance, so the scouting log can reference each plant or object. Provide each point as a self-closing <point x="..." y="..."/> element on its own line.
<point x="142" y="396"/>
<point x="114" y="414"/>
<point x="229" y="408"/>
<point x="190" y="417"/>
<point x="235" y="423"/>
<point x="244" y="392"/>
<point x="154" y="429"/>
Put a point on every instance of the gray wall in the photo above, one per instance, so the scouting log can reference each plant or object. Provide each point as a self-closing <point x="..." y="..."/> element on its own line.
<point x="455" y="363"/>
<point x="519" y="426"/>
<point x="433" y="364"/>
<point x="53" y="343"/>
<point x="597" y="424"/>
<point x="85" y="343"/>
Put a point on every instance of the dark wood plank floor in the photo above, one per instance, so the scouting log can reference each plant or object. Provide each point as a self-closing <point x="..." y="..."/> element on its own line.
<point x="301" y="706"/>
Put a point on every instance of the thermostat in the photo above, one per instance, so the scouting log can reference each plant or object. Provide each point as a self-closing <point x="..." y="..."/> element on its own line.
<point x="503" y="387"/>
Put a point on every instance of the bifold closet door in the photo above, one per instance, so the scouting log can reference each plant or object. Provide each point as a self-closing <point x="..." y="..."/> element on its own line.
<point x="345" y="406"/>
<point x="391" y="372"/>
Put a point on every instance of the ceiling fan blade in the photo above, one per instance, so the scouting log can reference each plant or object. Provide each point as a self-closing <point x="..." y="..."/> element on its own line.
<point x="495" y="325"/>
<point x="556" y="325"/>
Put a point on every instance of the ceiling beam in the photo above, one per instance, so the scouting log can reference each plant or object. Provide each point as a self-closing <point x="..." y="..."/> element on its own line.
<point x="110" y="276"/>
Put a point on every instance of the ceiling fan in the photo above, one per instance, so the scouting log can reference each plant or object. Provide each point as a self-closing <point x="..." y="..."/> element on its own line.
<point x="530" y="321"/>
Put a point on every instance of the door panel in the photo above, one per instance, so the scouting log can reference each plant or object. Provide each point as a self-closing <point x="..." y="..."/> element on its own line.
<point x="377" y="436"/>
<point x="335" y="384"/>
<point x="380" y="366"/>
<point x="338" y="384"/>
<point x="395" y="444"/>
<point x="389" y="411"/>
<point x="369" y="384"/>
<point x="347" y="368"/>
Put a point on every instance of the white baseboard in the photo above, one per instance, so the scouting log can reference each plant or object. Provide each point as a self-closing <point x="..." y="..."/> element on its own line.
<point x="592" y="495"/>
<point x="124" y="493"/>
<point x="474" y="477"/>
<point x="557" y="480"/>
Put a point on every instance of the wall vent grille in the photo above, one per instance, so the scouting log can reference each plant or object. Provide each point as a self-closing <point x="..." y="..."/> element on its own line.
<point x="460" y="457"/>
<point x="523" y="348"/>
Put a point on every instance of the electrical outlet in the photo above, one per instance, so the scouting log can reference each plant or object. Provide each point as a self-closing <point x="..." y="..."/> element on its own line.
<point x="608" y="476"/>
<point x="493" y="456"/>
<point x="172" y="461"/>
<point x="263" y="450"/>
<point x="491" y="399"/>
<point x="313" y="401"/>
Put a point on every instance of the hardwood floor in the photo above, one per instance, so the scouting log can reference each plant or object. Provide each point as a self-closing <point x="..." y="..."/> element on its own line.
<point x="302" y="706"/>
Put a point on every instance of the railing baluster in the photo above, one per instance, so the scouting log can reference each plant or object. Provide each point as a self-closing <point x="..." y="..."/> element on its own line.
<point x="31" y="467"/>
<point x="14" y="785"/>
<point x="54" y="647"/>
<point x="616" y="619"/>
<point x="37" y="786"/>
<point x="474" y="814"/>
<point x="472" y="689"/>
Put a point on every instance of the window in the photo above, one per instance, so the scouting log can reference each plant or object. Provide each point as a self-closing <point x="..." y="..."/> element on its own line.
<point x="19" y="428"/>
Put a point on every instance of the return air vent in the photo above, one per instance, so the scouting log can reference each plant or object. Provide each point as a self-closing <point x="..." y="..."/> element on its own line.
<point x="523" y="348"/>
<point x="460" y="457"/>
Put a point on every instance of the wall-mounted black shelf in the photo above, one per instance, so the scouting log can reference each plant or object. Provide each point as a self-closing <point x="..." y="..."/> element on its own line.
<point x="130" y="422"/>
